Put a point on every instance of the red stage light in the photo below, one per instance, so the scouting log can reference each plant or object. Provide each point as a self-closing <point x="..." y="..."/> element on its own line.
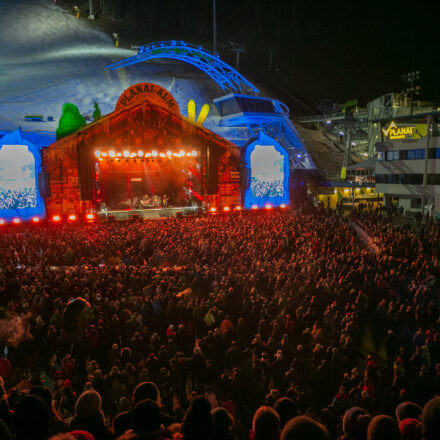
<point x="212" y="209"/>
<point x="238" y="208"/>
<point x="2" y="222"/>
<point x="56" y="218"/>
<point x="268" y="206"/>
<point x="35" y="219"/>
<point x="72" y="217"/>
<point x="226" y="208"/>
<point x="16" y="221"/>
<point x="283" y="205"/>
<point x="254" y="207"/>
<point x="90" y="216"/>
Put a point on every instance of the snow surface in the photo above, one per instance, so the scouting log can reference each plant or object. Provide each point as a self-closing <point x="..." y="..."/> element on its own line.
<point x="48" y="57"/>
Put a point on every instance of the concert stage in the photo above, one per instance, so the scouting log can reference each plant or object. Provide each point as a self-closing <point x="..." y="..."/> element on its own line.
<point x="144" y="159"/>
<point x="150" y="213"/>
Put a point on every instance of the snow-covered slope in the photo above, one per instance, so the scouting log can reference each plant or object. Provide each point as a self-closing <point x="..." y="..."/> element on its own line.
<point x="48" y="57"/>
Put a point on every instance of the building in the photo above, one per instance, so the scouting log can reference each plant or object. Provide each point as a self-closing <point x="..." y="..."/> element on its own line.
<point x="403" y="159"/>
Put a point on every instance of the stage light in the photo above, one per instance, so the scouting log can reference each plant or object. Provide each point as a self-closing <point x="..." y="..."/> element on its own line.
<point x="188" y="154"/>
<point x="56" y="218"/>
<point x="97" y="153"/>
<point x="90" y="216"/>
<point x="133" y="154"/>
<point x="346" y="190"/>
<point x="254" y="207"/>
<point x="368" y="189"/>
<point x="147" y="154"/>
<point x="154" y="153"/>
<point x="119" y="154"/>
<point x="126" y="153"/>
<point x="238" y="208"/>
<point x="194" y="153"/>
<point x="140" y="153"/>
<point x="226" y="208"/>
<point x="268" y="206"/>
<point x="72" y="217"/>
<point x="336" y="191"/>
<point x="35" y="219"/>
<point x="212" y="209"/>
<point x="162" y="155"/>
<point x="283" y="205"/>
<point x="169" y="153"/>
<point x="100" y="159"/>
<point x="2" y="222"/>
<point x="111" y="153"/>
<point x="104" y="154"/>
<point x="175" y="154"/>
<point x="181" y="153"/>
<point x="16" y="220"/>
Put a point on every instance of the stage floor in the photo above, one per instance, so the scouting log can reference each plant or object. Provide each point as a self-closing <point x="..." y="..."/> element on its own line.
<point x="149" y="213"/>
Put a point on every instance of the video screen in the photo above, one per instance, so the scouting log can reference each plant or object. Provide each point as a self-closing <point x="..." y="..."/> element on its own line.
<point x="267" y="172"/>
<point x="17" y="178"/>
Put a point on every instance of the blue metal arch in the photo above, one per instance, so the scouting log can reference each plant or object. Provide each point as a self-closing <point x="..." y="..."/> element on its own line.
<point x="229" y="79"/>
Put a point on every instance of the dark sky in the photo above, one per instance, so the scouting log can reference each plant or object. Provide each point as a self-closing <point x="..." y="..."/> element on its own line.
<point x="335" y="49"/>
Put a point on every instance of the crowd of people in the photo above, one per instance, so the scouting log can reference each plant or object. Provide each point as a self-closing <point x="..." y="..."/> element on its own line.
<point x="18" y="199"/>
<point x="262" y="188"/>
<point x="260" y="325"/>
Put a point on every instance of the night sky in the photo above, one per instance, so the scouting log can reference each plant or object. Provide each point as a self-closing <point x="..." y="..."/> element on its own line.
<point x="333" y="49"/>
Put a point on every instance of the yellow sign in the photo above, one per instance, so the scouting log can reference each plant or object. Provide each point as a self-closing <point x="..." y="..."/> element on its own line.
<point x="394" y="132"/>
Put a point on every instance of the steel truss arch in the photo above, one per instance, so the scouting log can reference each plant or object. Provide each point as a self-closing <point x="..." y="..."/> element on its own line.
<point x="228" y="78"/>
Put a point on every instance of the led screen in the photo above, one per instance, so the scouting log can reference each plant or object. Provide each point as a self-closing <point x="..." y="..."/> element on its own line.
<point x="268" y="171"/>
<point x="17" y="178"/>
<point x="20" y="163"/>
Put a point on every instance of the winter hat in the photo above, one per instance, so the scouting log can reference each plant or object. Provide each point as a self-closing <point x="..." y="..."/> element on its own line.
<point x="304" y="428"/>
<point x="383" y="428"/>
<point x="353" y="423"/>
<point x="81" y="435"/>
<point x="88" y="404"/>
<point x="411" y="429"/>
<point x="146" y="390"/>
<point x="431" y="419"/>
<point x="408" y="410"/>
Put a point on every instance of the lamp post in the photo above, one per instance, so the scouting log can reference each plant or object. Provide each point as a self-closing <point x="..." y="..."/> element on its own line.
<point x="91" y="12"/>
<point x="411" y="78"/>
<point x="214" y="19"/>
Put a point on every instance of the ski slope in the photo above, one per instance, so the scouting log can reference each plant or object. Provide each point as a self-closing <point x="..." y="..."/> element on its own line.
<point x="48" y="57"/>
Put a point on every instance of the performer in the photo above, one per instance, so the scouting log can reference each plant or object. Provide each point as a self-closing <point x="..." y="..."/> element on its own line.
<point x="165" y="199"/>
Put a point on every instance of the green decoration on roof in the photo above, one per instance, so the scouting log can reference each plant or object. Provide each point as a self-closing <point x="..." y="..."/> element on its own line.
<point x="96" y="112"/>
<point x="71" y="120"/>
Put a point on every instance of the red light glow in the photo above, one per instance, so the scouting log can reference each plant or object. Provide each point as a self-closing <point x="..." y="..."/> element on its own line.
<point x="72" y="217"/>
<point x="56" y="218"/>
<point x="212" y="209"/>
<point x="268" y="206"/>
<point x="226" y="208"/>
<point x="90" y="216"/>
<point x="16" y="221"/>
<point x="254" y="207"/>
<point x="35" y="219"/>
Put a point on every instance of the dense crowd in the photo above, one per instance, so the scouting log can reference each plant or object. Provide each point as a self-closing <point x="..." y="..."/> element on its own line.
<point x="18" y="199"/>
<point x="258" y="325"/>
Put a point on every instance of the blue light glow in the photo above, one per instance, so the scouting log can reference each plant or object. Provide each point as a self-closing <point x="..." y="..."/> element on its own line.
<point x="268" y="166"/>
<point x="20" y="163"/>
